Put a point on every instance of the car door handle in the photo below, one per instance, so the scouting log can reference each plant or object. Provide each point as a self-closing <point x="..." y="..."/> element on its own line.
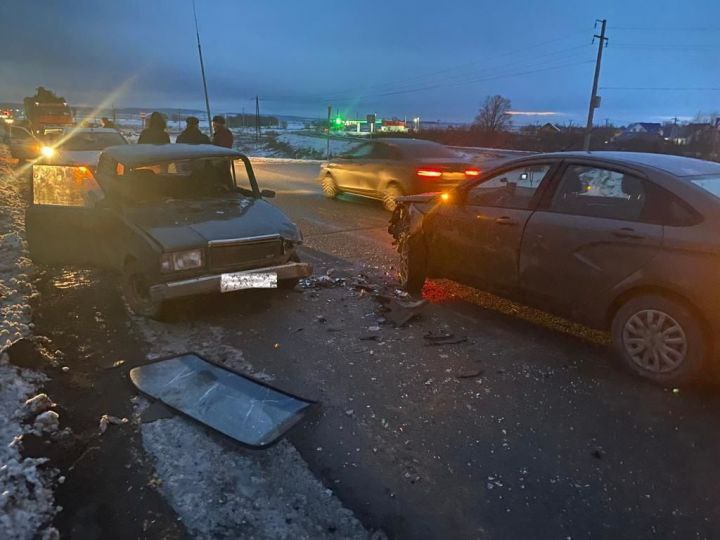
<point x="505" y="220"/>
<point x="627" y="232"/>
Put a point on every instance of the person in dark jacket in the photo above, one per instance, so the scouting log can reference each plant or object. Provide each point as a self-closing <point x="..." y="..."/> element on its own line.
<point x="155" y="132"/>
<point x="222" y="136"/>
<point x="192" y="133"/>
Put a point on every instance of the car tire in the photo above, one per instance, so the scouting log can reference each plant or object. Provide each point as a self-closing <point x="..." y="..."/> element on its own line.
<point x="660" y="339"/>
<point x="392" y="192"/>
<point x="135" y="286"/>
<point x="413" y="262"/>
<point x="329" y="187"/>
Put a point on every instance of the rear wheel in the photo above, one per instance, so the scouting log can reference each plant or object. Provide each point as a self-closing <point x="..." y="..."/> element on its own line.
<point x="136" y="289"/>
<point x="413" y="263"/>
<point x="660" y="339"/>
<point x="329" y="187"/>
<point x="391" y="193"/>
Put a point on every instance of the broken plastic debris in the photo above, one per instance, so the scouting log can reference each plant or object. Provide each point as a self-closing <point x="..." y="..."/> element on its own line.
<point x="39" y="403"/>
<point x="106" y="420"/>
<point x="249" y="411"/>
<point x="401" y="313"/>
<point x="48" y="422"/>
<point x="443" y="338"/>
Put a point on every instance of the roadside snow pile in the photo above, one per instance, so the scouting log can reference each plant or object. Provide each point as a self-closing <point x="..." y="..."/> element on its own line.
<point x="222" y="491"/>
<point x="317" y="143"/>
<point x="26" y="499"/>
<point x="219" y="489"/>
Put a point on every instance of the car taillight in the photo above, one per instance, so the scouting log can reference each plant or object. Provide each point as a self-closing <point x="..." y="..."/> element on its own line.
<point x="472" y="172"/>
<point x="429" y="172"/>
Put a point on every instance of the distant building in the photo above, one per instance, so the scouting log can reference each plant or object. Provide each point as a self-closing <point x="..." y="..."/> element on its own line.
<point x="645" y="127"/>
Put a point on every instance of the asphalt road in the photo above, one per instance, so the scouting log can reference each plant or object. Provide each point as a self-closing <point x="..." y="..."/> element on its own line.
<point x="528" y="429"/>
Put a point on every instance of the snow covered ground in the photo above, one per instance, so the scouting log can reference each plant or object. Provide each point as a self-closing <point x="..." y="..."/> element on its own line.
<point x="26" y="498"/>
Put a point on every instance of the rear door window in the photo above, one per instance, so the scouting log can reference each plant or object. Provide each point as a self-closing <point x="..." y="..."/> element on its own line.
<point x="598" y="192"/>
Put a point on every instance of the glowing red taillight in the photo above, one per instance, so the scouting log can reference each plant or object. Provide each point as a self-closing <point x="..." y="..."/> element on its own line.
<point x="472" y="172"/>
<point x="429" y="172"/>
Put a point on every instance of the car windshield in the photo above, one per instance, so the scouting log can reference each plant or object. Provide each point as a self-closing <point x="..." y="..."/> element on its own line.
<point x="711" y="184"/>
<point x="181" y="179"/>
<point x="426" y="149"/>
<point x="92" y="141"/>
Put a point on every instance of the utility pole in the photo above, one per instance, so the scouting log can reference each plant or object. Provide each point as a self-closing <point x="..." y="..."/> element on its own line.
<point x="257" y="119"/>
<point x="327" y="152"/>
<point x="594" y="98"/>
<point x="202" y="69"/>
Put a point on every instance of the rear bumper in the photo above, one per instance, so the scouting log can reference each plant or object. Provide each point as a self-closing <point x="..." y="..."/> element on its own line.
<point x="211" y="284"/>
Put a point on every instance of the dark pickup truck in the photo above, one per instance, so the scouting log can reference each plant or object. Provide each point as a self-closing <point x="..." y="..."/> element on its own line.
<point x="174" y="220"/>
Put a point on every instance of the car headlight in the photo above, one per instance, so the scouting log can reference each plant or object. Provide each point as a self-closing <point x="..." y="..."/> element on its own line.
<point x="47" y="151"/>
<point x="181" y="260"/>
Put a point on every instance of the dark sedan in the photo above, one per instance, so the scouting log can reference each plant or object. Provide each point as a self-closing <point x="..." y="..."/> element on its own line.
<point x="627" y="242"/>
<point x="388" y="168"/>
<point x="174" y="220"/>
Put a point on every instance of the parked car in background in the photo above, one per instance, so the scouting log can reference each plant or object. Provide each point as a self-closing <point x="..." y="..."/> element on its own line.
<point x="387" y="168"/>
<point x="173" y="220"/>
<point x="626" y="242"/>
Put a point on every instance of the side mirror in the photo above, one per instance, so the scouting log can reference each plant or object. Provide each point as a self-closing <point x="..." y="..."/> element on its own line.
<point x="267" y="194"/>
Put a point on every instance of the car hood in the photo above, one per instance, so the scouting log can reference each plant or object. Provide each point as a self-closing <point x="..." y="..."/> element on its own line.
<point x="181" y="224"/>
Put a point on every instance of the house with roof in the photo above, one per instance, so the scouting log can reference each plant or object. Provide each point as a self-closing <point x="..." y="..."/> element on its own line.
<point x="654" y="128"/>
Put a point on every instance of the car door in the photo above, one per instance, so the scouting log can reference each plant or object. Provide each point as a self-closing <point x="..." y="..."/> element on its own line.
<point x="66" y="221"/>
<point x="586" y="238"/>
<point x="477" y="240"/>
<point x="351" y="170"/>
<point x="23" y="144"/>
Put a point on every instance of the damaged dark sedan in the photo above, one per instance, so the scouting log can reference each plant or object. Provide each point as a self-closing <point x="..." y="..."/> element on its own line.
<point x="625" y="242"/>
<point x="173" y="220"/>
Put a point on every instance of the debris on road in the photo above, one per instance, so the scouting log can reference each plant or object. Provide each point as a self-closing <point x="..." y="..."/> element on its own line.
<point x="470" y="374"/>
<point x="442" y="338"/>
<point x="39" y="403"/>
<point x="398" y="312"/>
<point x="106" y="420"/>
<point x="252" y="413"/>
<point x="47" y="422"/>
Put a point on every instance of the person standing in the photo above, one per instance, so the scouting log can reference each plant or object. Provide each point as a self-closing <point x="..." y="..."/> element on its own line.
<point x="192" y="133"/>
<point x="222" y="136"/>
<point x="155" y="132"/>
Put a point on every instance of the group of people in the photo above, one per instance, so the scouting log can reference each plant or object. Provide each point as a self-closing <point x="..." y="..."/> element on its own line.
<point x="155" y="132"/>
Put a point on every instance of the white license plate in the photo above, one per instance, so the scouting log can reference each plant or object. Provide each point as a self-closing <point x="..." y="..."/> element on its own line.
<point x="242" y="280"/>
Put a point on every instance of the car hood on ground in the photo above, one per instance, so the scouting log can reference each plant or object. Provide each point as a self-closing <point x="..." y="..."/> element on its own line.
<point x="180" y="224"/>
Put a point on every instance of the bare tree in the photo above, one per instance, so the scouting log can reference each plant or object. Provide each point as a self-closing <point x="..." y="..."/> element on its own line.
<point x="493" y="115"/>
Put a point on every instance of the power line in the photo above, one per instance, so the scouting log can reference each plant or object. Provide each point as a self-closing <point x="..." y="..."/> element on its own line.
<point x="668" y="28"/>
<point x="663" y="88"/>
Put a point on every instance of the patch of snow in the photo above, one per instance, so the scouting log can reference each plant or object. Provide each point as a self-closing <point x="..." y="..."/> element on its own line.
<point x="26" y="498"/>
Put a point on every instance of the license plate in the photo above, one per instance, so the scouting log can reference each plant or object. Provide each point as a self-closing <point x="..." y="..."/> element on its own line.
<point x="242" y="280"/>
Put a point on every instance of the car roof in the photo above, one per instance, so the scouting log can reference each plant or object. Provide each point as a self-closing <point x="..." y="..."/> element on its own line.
<point x="675" y="165"/>
<point x="74" y="130"/>
<point x="133" y="155"/>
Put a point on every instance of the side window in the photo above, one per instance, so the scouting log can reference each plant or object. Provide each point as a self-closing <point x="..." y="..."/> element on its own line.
<point x="596" y="192"/>
<point x="362" y="151"/>
<point x="55" y="185"/>
<point x="511" y="189"/>
<point x="19" y="133"/>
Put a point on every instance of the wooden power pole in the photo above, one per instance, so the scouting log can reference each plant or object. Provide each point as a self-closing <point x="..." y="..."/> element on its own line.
<point x="594" y="98"/>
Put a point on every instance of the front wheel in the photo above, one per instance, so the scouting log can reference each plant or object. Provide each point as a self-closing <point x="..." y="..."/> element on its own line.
<point x="136" y="289"/>
<point x="413" y="262"/>
<point x="390" y="195"/>
<point x="329" y="187"/>
<point x="660" y="339"/>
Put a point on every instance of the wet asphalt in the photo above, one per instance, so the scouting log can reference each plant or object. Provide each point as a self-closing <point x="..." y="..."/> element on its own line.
<point x="527" y="429"/>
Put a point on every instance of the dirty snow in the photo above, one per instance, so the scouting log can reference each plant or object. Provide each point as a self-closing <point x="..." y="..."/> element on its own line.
<point x="26" y="498"/>
<point x="219" y="489"/>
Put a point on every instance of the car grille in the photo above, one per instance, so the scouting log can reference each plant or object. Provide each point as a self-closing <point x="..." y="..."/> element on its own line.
<point x="244" y="253"/>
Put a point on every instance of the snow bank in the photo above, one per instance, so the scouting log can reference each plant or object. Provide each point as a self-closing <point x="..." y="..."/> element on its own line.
<point x="26" y="498"/>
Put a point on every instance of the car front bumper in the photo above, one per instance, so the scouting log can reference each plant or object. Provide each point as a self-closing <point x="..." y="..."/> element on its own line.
<point x="211" y="284"/>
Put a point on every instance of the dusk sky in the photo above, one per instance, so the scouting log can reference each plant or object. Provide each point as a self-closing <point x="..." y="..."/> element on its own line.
<point x="437" y="60"/>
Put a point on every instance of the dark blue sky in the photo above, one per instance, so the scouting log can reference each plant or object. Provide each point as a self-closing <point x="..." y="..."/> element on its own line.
<point x="434" y="59"/>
